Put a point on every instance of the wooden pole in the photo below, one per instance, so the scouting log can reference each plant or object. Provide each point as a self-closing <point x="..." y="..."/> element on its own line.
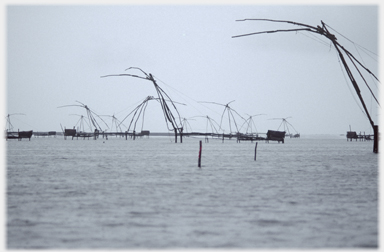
<point x="376" y="138"/>
<point x="255" y="150"/>
<point x="354" y="84"/>
<point x="324" y="31"/>
<point x="199" y="162"/>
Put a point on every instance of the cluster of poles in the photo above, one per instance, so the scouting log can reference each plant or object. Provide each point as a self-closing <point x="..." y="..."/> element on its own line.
<point x="344" y="56"/>
<point x="177" y="124"/>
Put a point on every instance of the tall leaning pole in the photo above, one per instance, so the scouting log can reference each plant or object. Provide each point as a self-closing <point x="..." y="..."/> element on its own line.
<point x="162" y="98"/>
<point x="322" y="30"/>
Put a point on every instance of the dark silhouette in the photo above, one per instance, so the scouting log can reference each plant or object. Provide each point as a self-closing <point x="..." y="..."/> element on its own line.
<point x="323" y="30"/>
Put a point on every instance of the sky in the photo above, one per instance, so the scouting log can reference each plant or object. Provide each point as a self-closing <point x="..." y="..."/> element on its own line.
<point x="56" y="55"/>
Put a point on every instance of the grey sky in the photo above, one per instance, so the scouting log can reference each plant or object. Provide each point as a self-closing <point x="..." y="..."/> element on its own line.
<point x="56" y="55"/>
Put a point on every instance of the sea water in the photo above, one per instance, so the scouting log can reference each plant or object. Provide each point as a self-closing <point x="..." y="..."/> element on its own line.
<point x="149" y="193"/>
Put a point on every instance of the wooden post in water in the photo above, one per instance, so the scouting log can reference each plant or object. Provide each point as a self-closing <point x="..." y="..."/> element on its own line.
<point x="175" y="134"/>
<point x="376" y="139"/>
<point x="199" y="162"/>
<point x="255" y="150"/>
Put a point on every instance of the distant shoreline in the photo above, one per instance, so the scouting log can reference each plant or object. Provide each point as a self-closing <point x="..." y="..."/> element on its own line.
<point x="164" y="134"/>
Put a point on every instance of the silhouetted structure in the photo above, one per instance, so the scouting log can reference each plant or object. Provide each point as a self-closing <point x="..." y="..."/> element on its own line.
<point x="168" y="115"/>
<point x="273" y="135"/>
<point x="69" y="132"/>
<point x="323" y="30"/>
<point x="351" y="135"/>
<point x="19" y="135"/>
<point x="229" y="111"/>
<point x="10" y="134"/>
<point x="91" y="116"/>
<point x="285" y="125"/>
<point x="145" y="133"/>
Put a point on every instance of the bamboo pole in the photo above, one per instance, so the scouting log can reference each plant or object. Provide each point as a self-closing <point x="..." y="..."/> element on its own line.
<point x="324" y="31"/>
<point x="199" y="161"/>
<point x="255" y="150"/>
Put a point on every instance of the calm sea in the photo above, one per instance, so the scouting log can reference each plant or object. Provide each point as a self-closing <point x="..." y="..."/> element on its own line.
<point x="149" y="193"/>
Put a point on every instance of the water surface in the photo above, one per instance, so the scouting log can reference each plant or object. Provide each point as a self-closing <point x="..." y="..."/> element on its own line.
<point x="149" y="193"/>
